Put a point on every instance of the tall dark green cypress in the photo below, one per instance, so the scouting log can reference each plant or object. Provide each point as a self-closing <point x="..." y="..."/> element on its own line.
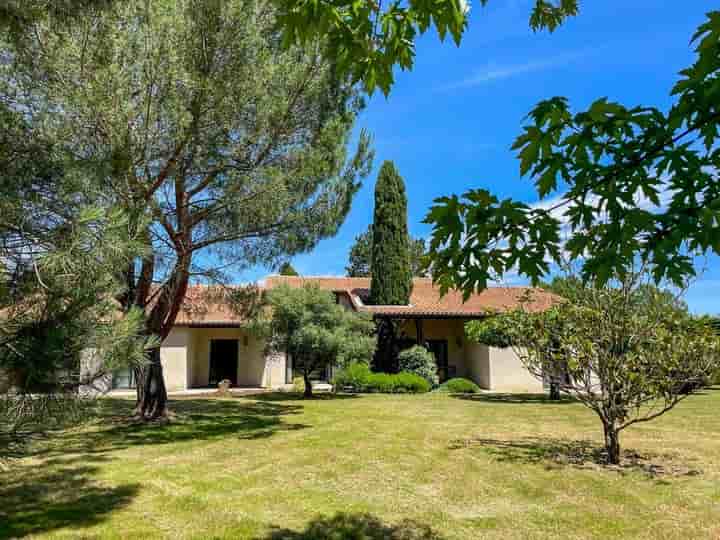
<point x="391" y="282"/>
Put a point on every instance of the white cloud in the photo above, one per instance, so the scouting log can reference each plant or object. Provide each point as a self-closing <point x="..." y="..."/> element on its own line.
<point x="493" y="73"/>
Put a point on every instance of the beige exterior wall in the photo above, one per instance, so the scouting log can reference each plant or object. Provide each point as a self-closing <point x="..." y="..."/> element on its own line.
<point x="477" y="361"/>
<point x="174" y="358"/>
<point x="254" y="369"/>
<point x="507" y="374"/>
<point x="451" y="330"/>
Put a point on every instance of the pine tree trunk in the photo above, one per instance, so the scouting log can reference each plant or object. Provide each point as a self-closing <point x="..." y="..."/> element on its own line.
<point x="612" y="443"/>
<point x="153" y="402"/>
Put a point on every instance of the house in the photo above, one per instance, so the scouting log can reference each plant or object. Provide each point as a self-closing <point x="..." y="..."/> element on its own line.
<point x="210" y="341"/>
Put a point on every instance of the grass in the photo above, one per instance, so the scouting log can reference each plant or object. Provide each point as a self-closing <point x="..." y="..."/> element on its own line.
<point x="369" y="467"/>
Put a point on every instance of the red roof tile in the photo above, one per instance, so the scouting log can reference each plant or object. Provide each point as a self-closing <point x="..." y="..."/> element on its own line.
<point x="426" y="301"/>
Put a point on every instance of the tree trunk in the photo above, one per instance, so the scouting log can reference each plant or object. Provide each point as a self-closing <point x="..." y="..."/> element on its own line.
<point x="384" y="360"/>
<point x="139" y="372"/>
<point x="612" y="443"/>
<point x="154" y="394"/>
<point x="308" y="385"/>
<point x="554" y="390"/>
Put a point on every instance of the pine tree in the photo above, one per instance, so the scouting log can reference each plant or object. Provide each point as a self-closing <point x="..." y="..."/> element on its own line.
<point x="391" y="282"/>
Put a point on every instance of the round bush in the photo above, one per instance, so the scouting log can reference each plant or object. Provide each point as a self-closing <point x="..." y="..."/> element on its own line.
<point x="420" y="361"/>
<point x="459" y="385"/>
<point x="353" y="375"/>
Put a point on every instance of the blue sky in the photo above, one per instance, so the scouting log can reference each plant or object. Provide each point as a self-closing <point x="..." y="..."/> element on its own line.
<point x="448" y="125"/>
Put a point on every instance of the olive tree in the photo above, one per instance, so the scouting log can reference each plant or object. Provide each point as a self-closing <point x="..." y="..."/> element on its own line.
<point x="628" y="358"/>
<point x="314" y="331"/>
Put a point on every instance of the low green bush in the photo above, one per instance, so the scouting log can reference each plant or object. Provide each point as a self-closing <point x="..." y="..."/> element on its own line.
<point x="411" y="383"/>
<point x="298" y="385"/>
<point x="458" y="385"/>
<point x="359" y="378"/>
<point x="353" y="375"/>
<point x="420" y="361"/>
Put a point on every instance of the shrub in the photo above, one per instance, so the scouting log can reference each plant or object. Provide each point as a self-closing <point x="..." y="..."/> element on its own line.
<point x="420" y="361"/>
<point x="411" y="383"/>
<point x="299" y="385"/>
<point x="458" y="385"/>
<point x="354" y="375"/>
<point x="380" y="382"/>
<point x="361" y="379"/>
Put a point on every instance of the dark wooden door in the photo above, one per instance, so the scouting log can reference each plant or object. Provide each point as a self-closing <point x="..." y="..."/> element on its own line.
<point x="223" y="361"/>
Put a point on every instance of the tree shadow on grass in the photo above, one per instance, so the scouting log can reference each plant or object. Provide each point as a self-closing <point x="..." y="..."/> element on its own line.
<point x="516" y="398"/>
<point x="296" y="396"/>
<point x="36" y="499"/>
<point x="193" y="419"/>
<point x="355" y="527"/>
<point x="581" y="454"/>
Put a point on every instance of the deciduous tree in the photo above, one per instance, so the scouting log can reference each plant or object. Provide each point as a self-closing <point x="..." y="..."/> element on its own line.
<point x="628" y="356"/>
<point x="618" y="184"/>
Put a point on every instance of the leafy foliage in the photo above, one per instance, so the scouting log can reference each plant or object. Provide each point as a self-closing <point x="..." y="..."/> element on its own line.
<point x="286" y="269"/>
<point x="420" y="361"/>
<point x="369" y="39"/>
<point x="491" y="331"/>
<point x="58" y="252"/>
<point x="307" y="324"/>
<point x="627" y="356"/>
<point x="458" y="385"/>
<point x="359" y="377"/>
<point x="623" y="183"/>
<point x="354" y="375"/>
<point x="209" y="135"/>
<point x="360" y="257"/>
<point x="391" y="282"/>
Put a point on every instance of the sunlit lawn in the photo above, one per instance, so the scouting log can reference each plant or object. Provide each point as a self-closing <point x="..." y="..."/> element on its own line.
<point x="403" y="467"/>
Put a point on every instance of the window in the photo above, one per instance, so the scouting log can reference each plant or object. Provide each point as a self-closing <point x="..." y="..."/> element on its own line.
<point x="123" y="378"/>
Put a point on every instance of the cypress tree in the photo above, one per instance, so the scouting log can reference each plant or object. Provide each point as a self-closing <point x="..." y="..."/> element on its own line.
<point x="391" y="282"/>
<point x="286" y="269"/>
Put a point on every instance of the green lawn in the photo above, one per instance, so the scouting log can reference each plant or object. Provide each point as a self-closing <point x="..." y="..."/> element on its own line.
<point x="404" y="467"/>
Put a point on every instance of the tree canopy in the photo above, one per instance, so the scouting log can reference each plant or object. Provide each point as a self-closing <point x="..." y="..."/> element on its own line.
<point x="391" y="281"/>
<point x="287" y="269"/>
<point x="360" y="256"/>
<point x="623" y="350"/>
<point x="618" y="185"/>
<point x="207" y="133"/>
<point x="307" y="324"/>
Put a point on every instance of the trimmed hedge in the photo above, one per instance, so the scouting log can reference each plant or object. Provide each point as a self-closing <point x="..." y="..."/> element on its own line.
<point x="458" y="385"/>
<point x="359" y="377"/>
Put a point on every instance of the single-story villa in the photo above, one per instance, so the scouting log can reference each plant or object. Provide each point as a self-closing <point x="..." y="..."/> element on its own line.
<point x="210" y="341"/>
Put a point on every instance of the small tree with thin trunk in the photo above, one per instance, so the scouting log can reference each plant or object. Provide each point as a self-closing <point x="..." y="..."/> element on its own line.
<point x="627" y="357"/>
<point x="309" y="326"/>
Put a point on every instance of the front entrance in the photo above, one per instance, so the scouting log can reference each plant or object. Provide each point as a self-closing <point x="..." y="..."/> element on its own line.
<point x="439" y="347"/>
<point x="223" y="361"/>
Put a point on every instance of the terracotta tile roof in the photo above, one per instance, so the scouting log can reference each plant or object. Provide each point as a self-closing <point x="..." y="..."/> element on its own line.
<point x="204" y="306"/>
<point x="425" y="300"/>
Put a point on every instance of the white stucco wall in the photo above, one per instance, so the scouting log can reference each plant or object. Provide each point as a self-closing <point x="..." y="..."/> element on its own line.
<point x="477" y="361"/>
<point x="174" y="358"/>
<point x="507" y="374"/>
<point x="254" y="369"/>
